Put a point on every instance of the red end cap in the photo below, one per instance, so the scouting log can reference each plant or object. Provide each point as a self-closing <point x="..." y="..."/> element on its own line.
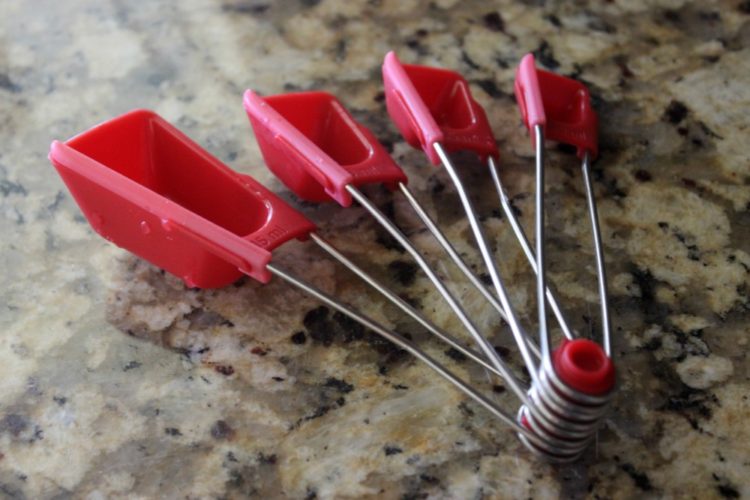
<point x="584" y="366"/>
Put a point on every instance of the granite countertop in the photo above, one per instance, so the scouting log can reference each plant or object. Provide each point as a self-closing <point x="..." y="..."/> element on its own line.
<point x="118" y="381"/>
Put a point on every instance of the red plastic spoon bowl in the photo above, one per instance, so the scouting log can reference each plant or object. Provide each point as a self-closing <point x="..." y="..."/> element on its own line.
<point x="145" y="186"/>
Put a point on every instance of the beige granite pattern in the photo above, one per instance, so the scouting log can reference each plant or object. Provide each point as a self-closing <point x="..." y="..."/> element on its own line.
<point x="117" y="381"/>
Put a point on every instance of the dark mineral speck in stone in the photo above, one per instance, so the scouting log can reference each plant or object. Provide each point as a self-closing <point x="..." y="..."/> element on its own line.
<point x="455" y="354"/>
<point x="403" y="272"/>
<point x="643" y="175"/>
<point x="392" y="450"/>
<point x="299" y="338"/>
<point x="221" y="430"/>
<point x="340" y="385"/>
<point x="225" y="370"/>
<point x="493" y="21"/>
<point x="675" y="112"/>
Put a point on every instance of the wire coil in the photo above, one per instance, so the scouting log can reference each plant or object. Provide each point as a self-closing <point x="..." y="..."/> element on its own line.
<point x="565" y="420"/>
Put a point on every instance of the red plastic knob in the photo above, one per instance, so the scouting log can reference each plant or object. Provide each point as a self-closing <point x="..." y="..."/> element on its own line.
<point x="584" y="366"/>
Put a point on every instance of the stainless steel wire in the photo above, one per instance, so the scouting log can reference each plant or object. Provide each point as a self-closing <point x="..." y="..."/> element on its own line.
<point x="554" y="420"/>
<point x="408" y="346"/>
<point x="598" y="253"/>
<point x="401" y="303"/>
<point x="481" y="240"/>
<point x="461" y="314"/>
<point x="458" y="261"/>
<point x="564" y="423"/>
<point x="526" y="247"/>
<point x="541" y="274"/>
<point x="563" y="419"/>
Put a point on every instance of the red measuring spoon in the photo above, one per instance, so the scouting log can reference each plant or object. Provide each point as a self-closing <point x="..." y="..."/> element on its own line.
<point x="317" y="149"/>
<point x="434" y="106"/>
<point x="581" y="372"/>
<point x="145" y="186"/>
<point x="559" y="108"/>
<point x="561" y="105"/>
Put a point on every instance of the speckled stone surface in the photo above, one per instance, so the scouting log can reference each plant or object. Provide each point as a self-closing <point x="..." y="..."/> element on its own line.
<point x="117" y="381"/>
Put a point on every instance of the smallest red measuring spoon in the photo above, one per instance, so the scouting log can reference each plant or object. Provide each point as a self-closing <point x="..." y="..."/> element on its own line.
<point x="559" y="108"/>
<point x="579" y="375"/>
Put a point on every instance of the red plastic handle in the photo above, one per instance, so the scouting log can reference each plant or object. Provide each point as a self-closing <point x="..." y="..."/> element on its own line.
<point x="560" y="104"/>
<point x="433" y="105"/>
<point x="529" y="94"/>
<point x="148" y="188"/>
<point x="315" y="146"/>
<point x="407" y="109"/>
